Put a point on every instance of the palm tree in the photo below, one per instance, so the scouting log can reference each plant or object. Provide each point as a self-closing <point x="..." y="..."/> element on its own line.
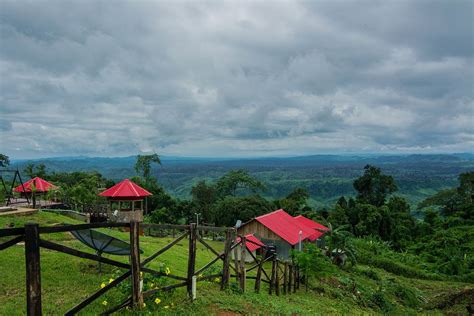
<point x="339" y="245"/>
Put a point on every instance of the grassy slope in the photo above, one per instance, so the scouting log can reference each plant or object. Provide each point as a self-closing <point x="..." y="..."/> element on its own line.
<point x="66" y="280"/>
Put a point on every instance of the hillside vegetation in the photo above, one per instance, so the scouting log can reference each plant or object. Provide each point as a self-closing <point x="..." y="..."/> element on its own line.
<point x="364" y="288"/>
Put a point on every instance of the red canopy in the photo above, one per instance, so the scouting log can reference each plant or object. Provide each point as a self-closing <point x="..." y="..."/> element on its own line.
<point x="254" y="243"/>
<point x="41" y="185"/>
<point x="126" y="190"/>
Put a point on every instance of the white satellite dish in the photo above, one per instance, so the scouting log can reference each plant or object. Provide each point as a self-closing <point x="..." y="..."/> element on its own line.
<point x="238" y="224"/>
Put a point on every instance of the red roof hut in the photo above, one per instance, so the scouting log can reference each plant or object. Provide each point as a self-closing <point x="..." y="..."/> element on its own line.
<point x="282" y="230"/>
<point x="125" y="196"/>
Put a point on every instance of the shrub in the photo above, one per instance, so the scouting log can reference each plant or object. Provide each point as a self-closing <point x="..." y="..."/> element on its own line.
<point x="407" y="296"/>
<point x="380" y="300"/>
<point x="371" y="274"/>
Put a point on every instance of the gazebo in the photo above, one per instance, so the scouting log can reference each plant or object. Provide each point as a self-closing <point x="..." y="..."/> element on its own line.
<point x="128" y="198"/>
<point x="35" y="186"/>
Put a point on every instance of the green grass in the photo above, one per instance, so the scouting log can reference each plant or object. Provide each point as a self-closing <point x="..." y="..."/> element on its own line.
<point x="66" y="280"/>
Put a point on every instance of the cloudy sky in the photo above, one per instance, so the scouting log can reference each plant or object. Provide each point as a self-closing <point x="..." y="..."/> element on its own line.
<point x="235" y="78"/>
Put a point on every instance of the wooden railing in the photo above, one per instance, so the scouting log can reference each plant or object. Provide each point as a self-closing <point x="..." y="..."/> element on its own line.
<point x="283" y="275"/>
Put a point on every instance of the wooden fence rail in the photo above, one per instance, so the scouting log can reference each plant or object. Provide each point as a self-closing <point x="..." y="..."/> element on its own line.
<point x="283" y="277"/>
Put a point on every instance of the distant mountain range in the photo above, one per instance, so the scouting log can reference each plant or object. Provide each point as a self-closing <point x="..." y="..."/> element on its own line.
<point x="326" y="177"/>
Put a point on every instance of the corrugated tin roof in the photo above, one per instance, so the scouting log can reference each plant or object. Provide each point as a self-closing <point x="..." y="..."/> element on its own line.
<point x="127" y="190"/>
<point x="41" y="185"/>
<point x="319" y="228"/>
<point x="251" y="246"/>
<point x="285" y="226"/>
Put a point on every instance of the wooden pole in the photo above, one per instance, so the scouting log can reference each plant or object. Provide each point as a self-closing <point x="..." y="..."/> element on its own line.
<point x="272" y="277"/>
<point x="277" y="278"/>
<point x="285" y="277"/>
<point x="243" y="254"/>
<point x="259" y="272"/>
<point x="191" y="258"/>
<point x="298" y="277"/>
<point x="295" y="278"/>
<point x="137" y="297"/>
<point x="236" y="264"/>
<point x="33" y="270"/>
<point x="290" y="276"/>
<point x="226" y="269"/>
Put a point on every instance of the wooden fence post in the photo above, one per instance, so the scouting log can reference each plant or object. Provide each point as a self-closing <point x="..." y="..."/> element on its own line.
<point x="272" y="276"/>
<point x="33" y="270"/>
<point x="191" y="257"/>
<point x="259" y="272"/>
<point x="290" y="277"/>
<point x="277" y="278"/>
<point x="295" y="278"/>
<point x="236" y="264"/>
<point x="225" y="270"/>
<point x="137" y="297"/>
<point x="243" y="254"/>
<point x="285" y="277"/>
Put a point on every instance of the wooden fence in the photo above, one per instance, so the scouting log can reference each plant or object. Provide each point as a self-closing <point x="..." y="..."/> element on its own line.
<point x="283" y="277"/>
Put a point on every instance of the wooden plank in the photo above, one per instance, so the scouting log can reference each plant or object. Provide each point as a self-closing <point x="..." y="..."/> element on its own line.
<point x="118" y="307"/>
<point x="11" y="242"/>
<point x="97" y="294"/>
<point x="33" y="269"/>
<point x="137" y="297"/>
<point x="208" y="246"/>
<point x="191" y="256"/>
<point x="68" y="228"/>
<point x="81" y="254"/>
<point x="165" y="226"/>
<point x="162" y="250"/>
<point x="164" y="288"/>
<point x="208" y="265"/>
<point x="161" y="274"/>
<point x="5" y="232"/>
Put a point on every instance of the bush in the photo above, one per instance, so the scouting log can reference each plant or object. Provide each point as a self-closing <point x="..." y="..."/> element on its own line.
<point x="379" y="300"/>
<point x="371" y="274"/>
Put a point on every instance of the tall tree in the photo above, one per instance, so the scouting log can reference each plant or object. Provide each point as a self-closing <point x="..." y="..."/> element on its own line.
<point x="4" y="160"/>
<point x="143" y="164"/>
<point x="373" y="186"/>
<point x="234" y="180"/>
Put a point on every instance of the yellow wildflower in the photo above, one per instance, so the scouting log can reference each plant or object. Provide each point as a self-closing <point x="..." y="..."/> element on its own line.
<point x="157" y="301"/>
<point x="167" y="307"/>
<point x="144" y="305"/>
<point x="111" y="280"/>
<point x="167" y="271"/>
<point x="105" y="303"/>
<point x="102" y="285"/>
<point x="217" y="280"/>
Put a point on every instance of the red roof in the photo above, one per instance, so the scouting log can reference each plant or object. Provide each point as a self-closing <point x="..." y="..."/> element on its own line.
<point x="125" y="190"/>
<point x="320" y="229"/>
<point x="254" y="245"/>
<point x="41" y="185"/>
<point x="285" y="226"/>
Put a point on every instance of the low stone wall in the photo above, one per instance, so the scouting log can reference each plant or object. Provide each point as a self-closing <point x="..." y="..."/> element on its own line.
<point x="69" y="213"/>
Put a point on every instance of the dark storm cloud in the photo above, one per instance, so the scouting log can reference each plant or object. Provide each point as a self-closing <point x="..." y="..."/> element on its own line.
<point x="235" y="78"/>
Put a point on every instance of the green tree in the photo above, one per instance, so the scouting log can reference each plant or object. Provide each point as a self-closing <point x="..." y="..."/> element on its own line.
<point x="232" y="208"/>
<point x="235" y="180"/>
<point x="4" y="160"/>
<point x="338" y="242"/>
<point x="204" y="195"/>
<point x="143" y="164"/>
<point x="295" y="202"/>
<point x="373" y="186"/>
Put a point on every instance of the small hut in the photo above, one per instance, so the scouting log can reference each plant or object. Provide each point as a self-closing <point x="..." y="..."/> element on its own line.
<point x="126" y="201"/>
<point x="252" y="244"/>
<point x="34" y="187"/>
<point x="281" y="230"/>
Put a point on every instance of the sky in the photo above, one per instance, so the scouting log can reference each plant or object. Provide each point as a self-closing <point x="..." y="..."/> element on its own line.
<point x="235" y="78"/>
